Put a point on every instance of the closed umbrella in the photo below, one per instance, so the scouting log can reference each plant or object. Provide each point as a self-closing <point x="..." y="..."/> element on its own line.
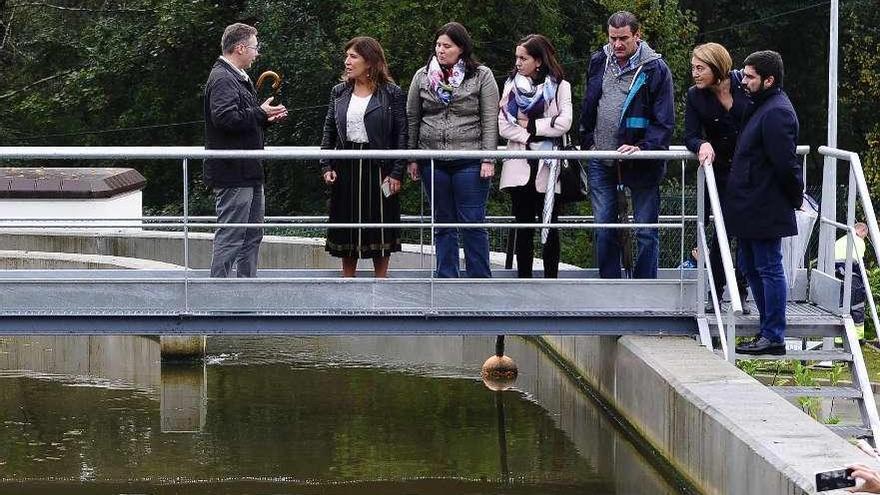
<point x="624" y="236"/>
<point x="549" y="197"/>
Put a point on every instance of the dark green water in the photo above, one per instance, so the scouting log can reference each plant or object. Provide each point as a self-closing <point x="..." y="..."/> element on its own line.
<point x="301" y="416"/>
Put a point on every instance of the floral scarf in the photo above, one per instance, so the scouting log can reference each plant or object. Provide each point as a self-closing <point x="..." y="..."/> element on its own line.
<point x="529" y="99"/>
<point x="443" y="81"/>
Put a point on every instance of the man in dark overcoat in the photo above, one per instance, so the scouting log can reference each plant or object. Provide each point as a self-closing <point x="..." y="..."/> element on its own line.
<point x="235" y="120"/>
<point x="764" y="190"/>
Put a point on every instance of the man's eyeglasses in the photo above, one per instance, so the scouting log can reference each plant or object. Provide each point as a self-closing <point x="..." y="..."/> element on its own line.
<point x="256" y="48"/>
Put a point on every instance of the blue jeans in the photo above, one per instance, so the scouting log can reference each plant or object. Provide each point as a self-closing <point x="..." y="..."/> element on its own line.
<point x="645" y="193"/>
<point x="460" y="196"/>
<point x="761" y="260"/>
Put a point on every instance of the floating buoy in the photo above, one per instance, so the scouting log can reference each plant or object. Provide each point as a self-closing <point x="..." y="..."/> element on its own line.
<point x="499" y="372"/>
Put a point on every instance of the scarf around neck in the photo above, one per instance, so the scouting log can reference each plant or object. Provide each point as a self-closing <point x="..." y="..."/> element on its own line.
<point x="528" y="98"/>
<point x="443" y="81"/>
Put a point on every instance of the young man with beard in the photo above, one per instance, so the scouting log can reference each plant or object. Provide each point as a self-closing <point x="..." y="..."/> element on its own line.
<point x="764" y="190"/>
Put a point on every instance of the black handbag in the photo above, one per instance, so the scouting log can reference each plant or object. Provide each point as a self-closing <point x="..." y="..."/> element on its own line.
<point x="572" y="177"/>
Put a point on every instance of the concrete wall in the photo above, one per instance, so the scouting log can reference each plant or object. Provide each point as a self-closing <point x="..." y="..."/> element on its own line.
<point x="718" y="426"/>
<point x="40" y="260"/>
<point x="127" y="205"/>
<point x="275" y="251"/>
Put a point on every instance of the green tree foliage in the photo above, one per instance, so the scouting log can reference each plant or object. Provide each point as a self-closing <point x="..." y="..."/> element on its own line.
<point x="798" y="31"/>
<point x="860" y="98"/>
<point x="75" y="73"/>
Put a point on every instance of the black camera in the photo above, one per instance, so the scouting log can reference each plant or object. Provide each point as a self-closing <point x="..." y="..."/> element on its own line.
<point x="832" y="480"/>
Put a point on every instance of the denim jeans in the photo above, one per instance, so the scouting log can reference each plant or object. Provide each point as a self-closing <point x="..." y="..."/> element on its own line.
<point x="460" y="196"/>
<point x="646" y="209"/>
<point x="761" y="260"/>
<point x="858" y="294"/>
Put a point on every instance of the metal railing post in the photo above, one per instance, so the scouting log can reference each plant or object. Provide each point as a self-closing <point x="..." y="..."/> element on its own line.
<point x="701" y="227"/>
<point x="828" y="209"/>
<point x="721" y="234"/>
<point x="436" y="263"/>
<point x="850" y="244"/>
<point x="681" y="243"/>
<point x="422" y="229"/>
<point x="186" y="235"/>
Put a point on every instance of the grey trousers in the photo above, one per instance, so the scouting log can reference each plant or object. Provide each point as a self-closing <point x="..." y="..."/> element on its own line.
<point x="239" y="246"/>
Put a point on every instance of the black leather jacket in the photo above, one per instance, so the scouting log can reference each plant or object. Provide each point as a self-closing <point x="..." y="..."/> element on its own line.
<point x="385" y="121"/>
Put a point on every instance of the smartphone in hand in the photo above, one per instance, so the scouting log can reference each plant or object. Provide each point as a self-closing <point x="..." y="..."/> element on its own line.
<point x="832" y="480"/>
<point x="386" y="189"/>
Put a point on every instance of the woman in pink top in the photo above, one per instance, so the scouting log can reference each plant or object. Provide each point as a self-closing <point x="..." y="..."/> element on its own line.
<point x="535" y="113"/>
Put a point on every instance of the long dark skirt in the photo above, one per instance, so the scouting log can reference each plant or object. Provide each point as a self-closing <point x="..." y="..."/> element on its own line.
<point x="356" y="197"/>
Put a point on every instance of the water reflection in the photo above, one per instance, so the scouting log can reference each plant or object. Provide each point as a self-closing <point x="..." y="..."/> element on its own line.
<point x="184" y="399"/>
<point x="302" y="415"/>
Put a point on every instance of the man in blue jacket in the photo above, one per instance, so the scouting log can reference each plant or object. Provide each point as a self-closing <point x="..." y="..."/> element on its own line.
<point x="627" y="107"/>
<point x="234" y="120"/>
<point x="764" y="190"/>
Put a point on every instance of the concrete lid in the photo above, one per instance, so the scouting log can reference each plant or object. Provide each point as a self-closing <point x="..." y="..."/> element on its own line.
<point x="67" y="183"/>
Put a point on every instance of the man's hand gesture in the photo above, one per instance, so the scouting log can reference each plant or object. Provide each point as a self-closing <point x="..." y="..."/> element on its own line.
<point x="275" y="113"/>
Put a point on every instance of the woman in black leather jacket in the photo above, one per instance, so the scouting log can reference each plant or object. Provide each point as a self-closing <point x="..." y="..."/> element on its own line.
<point x="366" y="111"/>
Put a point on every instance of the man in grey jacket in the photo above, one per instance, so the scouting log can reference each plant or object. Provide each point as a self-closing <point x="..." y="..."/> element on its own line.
<point x="235" y="120"/>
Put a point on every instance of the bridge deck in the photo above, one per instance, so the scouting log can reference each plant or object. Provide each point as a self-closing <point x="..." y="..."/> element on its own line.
<point x="320" y="302"/>
<point x="311" y="301"/>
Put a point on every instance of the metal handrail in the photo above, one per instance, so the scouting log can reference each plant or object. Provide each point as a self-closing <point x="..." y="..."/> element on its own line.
<point x="721" y="233"/>
<point x="314" y="153"/>
<point x="851" y="231"/>
<point x="862" y="187"/>
<point x="706" y="178"/>
<point x="151" y="220"/>
<point x="310" y="153"/>
<point x="186" y="153"/>
<point x="364" y="225"/>
<point x="859" y="185"/>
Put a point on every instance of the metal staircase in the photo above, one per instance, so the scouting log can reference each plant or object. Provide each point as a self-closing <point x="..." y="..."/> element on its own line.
<point x="815" y="309"/>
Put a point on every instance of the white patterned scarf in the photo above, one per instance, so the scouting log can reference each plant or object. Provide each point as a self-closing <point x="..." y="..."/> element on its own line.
<point x="443" y="81"/>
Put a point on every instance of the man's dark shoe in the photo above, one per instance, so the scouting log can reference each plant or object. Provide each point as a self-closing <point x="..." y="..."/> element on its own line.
<point x="762" y="345"/>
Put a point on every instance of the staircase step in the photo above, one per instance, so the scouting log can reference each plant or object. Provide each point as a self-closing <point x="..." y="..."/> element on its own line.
<point x="827" y="392"/>
<point x="817" y="355"/>
<point x="818" y="328"/>
<point x="802" y="320"/>
<point x="851" y="431"/>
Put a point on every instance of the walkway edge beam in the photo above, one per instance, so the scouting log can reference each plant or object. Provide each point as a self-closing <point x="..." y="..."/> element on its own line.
<point x="724" y="430"/>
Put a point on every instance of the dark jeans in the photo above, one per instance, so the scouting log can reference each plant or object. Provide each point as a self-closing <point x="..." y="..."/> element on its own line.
<point x="761" y="260"/>
<point x="527" y="205"/>
<point x="858" y="294"/>
<point x="646" y="209"/>
<point x="238" y="246"/>
<point x="460" y="196"/>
